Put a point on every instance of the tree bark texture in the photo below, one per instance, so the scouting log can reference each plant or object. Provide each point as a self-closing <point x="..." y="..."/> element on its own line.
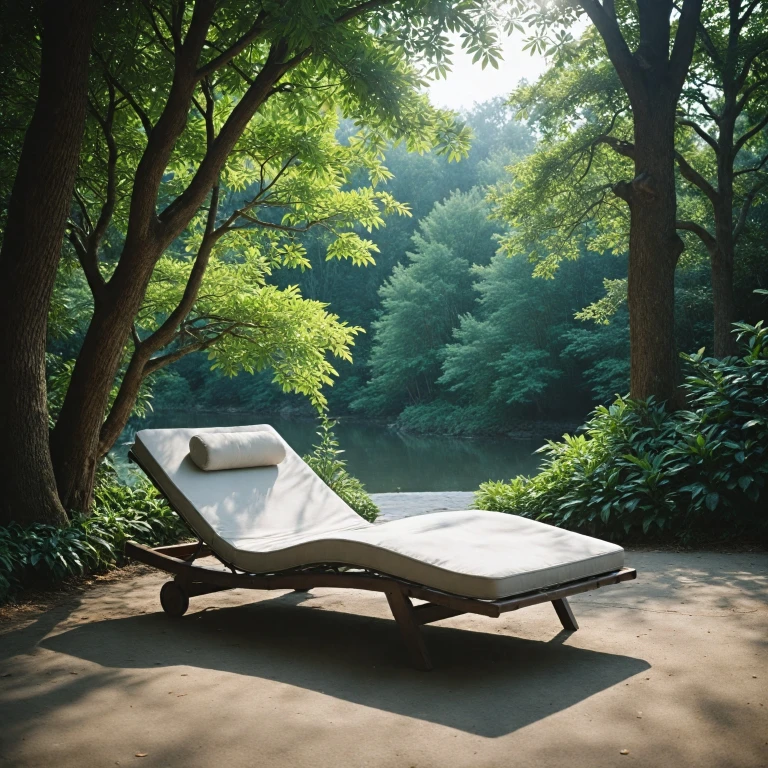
<point x="29" y="258"/>
<point x="723" y="256"/>
<point x="654" y="249"/>
<point x="723" y="300"/>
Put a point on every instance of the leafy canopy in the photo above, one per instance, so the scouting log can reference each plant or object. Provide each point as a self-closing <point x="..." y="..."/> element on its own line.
<point x="287" y="173"/>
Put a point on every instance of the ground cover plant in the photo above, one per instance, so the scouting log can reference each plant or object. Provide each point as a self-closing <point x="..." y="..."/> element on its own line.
<point x="47" y="554"/>
<point x="639" y="468"/>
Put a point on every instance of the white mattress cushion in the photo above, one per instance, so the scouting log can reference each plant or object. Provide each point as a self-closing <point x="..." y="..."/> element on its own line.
<point x="265" y="519"/>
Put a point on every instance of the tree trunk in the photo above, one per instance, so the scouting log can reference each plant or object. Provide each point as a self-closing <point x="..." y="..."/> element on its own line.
<point x="723" y="301"/>
<point x="75" y="439"/>
<point x="29" y="258"/>
<point x="723" y="257"/>
<point x="654" y="248"/>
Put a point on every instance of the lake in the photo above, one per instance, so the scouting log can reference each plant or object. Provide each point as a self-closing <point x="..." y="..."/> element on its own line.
<point x="385" y="460"/>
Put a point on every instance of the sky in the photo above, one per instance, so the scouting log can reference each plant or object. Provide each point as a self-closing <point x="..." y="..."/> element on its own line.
<point x="467" y="83"/>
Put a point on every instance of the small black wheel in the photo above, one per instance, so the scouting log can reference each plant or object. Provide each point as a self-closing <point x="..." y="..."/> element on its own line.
<point x="174" y="599"/>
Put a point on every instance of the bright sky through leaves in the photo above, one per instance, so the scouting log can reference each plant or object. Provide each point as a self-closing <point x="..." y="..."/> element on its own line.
<point x="467" y="83"/>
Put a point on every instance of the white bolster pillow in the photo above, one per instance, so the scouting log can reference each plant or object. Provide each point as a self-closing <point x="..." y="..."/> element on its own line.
<point x="235" y="450"/>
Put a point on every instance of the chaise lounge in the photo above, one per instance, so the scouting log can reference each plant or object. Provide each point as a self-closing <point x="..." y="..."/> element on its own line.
<point x="274" y="524"/>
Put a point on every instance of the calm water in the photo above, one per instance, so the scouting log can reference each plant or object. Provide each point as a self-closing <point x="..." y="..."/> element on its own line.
<point x="383" y="459"/>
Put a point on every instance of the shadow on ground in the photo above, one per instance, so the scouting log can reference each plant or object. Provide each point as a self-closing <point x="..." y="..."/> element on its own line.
<point x="484" y="683"/>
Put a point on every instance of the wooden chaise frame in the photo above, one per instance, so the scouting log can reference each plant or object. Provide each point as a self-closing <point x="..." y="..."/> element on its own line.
<point x="191" y="580"/>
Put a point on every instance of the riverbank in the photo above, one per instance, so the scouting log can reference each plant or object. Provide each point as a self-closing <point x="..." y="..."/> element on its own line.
<point x="520" y="429"/>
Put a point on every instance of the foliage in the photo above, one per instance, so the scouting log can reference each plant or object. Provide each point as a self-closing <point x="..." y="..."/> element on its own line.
<point x="46" y="554"/>
<point x="480" y="379"/>
<point x="444" y="418"/>
<point x="423" y="300"/>
<point x="419" y="181"/>
<point x="639" y="468"/>
<point x="560" y="200"/>
<point x="332" y="470"/>
<point x="211" y="147"/>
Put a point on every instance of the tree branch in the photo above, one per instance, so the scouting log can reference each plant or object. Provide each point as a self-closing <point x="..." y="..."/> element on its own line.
<point x="747" y="13"/>
<point x="754" y="168"/>
<point x="746" y="94"/>
<point x="259" y="196"/>
<point x="615" y="44"/>
<point x="161" y="337"/>
<point x="700" y="131"/>
<point x="682" y="49"/>
<point x="164" y="334"/>
<point x="688" y="172"/>
<point x="90" y="268"/>
<point x="127" y="95"/>
<point x="359" y="10"/>
<point x="749" y="198"/>
<point x="625" y="148"/>
<point x="171" y="49"/>
<point x="234" y="50"/>
<point x="175" y="217"/>
<point x="107" y="210"/>
<point x="705" y="237"/>
<point x="752" y="132"/>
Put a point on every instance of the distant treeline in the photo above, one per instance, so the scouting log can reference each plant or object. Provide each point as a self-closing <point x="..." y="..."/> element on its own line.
<point x="461" y="338"/>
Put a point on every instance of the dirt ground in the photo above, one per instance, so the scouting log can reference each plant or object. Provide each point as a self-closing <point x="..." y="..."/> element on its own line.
<point x="672" y="668"/>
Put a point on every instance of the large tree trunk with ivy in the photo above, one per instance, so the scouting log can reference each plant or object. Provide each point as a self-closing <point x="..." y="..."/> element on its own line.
<point x="653" y="76"/>
<point x="29" y="258"/>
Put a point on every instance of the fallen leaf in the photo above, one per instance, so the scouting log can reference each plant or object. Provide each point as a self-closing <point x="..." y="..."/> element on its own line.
<point x="72" y="673"/>
<point x="141" y="754"/>
<point x="179" y="695"/>
<point x="623" y="751"/>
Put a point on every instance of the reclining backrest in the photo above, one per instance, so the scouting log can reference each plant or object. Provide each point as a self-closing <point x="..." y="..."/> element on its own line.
<point x="272" y="503"/>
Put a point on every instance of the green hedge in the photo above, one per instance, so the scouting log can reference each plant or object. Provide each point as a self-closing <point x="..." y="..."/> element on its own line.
<point x="639" y="468"/>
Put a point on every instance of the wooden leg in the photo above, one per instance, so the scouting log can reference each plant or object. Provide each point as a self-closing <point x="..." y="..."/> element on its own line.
<point x="565" y="614"/>
<point x="402" y="610"/>
<point x="429" y="612"/>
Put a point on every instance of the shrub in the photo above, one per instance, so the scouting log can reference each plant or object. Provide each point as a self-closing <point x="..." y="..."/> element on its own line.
<point x="332" y="470"/>
<point x="47" y="554"/>
<point x="640" y="468"/>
